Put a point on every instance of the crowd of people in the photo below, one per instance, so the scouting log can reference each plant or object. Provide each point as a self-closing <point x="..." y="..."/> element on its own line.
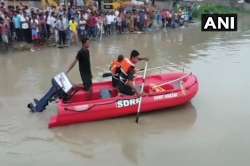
<point x="171" y="18"/>
<point x="66" y="26"/>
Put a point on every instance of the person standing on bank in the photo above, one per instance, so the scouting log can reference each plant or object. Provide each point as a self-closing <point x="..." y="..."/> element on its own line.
<point x="84" y="65"/>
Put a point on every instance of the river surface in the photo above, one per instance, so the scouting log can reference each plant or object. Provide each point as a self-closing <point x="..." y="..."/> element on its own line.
<point x="211" y="130"/>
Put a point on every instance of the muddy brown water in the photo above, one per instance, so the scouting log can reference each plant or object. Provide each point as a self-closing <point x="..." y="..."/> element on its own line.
<point x="211" y="130"/>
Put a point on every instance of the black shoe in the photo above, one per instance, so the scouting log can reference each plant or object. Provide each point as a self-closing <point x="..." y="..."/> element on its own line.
<point x="31" y="107"/>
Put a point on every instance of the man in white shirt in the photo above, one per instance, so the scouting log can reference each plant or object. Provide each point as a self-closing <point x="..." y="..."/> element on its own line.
<point x="109" y="19"/>
<point x="113" y="23"/>
<point x="25" y="29"/>
<point x="51" y="22"/>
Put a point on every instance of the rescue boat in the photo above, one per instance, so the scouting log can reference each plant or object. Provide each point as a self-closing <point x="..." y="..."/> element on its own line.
<point x="160" y="92"/>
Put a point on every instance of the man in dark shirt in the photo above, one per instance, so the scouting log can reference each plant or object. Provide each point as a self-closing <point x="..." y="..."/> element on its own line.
<point x="84" y="65"/>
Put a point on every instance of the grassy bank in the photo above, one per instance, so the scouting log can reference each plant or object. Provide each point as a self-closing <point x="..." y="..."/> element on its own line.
<point x="213" y="8"/>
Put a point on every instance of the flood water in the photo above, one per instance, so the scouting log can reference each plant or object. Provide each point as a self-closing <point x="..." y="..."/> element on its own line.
<point x="211" y="130"/>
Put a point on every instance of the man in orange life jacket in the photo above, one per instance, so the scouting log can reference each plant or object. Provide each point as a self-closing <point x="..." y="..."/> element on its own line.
<point x="115" y="70"/>
<point x="126" y="74"/>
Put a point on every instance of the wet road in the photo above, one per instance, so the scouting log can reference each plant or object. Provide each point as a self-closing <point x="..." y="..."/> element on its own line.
<point x="211" y="130"/>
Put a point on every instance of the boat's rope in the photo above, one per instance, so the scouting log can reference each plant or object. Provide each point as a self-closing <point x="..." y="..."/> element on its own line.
<point x="159" y="67"/>
<point x="173" y="81"/>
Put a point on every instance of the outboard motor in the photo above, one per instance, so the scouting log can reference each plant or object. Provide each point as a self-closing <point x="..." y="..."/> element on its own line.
<point x="61" y="87"/>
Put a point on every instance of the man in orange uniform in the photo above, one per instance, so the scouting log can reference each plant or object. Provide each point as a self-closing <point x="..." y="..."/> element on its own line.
<point x="115" y="70"/>
<point x="126" y="74"/>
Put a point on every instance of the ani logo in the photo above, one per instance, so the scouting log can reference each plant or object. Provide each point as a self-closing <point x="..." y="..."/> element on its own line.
<point x="219" y="22"/>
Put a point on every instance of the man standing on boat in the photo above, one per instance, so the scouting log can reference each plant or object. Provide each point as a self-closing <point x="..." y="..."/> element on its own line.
<point x="126" y="76"/>
<point x="56" y="91"/>
<point x="84" y="65"/>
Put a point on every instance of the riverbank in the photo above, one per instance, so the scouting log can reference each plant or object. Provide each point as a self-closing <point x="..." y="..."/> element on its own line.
<point x="210" y="8"/>
<point x="213" y="8"/>
<point x="197" y="8"/>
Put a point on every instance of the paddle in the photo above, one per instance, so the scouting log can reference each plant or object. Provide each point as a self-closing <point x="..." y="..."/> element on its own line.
<point x="142" y="90"/>
<point x="106" y="74"/>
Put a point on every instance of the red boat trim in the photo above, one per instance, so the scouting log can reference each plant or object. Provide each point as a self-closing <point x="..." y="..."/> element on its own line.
<point x="125" y="105"/>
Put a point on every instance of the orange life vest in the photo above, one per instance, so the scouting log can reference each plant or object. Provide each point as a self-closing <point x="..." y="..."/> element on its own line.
<point x="127" y="66"/>
<point x="115" y="67"/>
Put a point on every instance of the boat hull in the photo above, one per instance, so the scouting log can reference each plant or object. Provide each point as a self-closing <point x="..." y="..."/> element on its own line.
<point x="100" y="109"/>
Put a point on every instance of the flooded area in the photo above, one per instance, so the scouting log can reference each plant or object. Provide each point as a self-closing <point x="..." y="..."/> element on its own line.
<point x="211" y="130"/>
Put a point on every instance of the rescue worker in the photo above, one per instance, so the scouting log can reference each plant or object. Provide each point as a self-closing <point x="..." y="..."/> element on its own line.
<point x="126" y="75"/>
<point x="115" y="70"/>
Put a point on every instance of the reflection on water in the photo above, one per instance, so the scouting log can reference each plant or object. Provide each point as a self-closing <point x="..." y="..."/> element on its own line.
<point x="216" y="121"/>
<point x="126" y="134"/>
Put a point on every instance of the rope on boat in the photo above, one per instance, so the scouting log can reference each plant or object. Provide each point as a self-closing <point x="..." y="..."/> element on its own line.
<point x="173" y="81"/>
<point x="149" y="69"/>
<point x="158" y="67"/>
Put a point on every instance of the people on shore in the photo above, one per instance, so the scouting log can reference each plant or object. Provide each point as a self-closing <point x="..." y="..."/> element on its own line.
<point x="73" y="26"/>
<point x="63" y="26"/>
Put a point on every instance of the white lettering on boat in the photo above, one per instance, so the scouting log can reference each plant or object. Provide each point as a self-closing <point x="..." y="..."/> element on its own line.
<point x="166" y="96"/>
<point x="132" y="102"/>
<point x="127" y="103"/>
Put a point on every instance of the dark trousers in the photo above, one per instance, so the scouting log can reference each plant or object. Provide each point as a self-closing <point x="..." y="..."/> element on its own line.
<point x="124" y="26"/>
<point x="125" y="89"/>
<point x="115" y="81"/>
<point x="108" y="29"/>
<point x="168" y="22"/>
<point x="48" y="31"/>
<point x="92" y="32"/>
<point x="26" y="35"/>
<point x="82" y="33"/>
<point x="141" y="25"/>
<point x="62" y="37"/>
<point x="18" y="34"/>
<point x="86" y="81"/>
<point x="119" y="27"/>
<point x="163" y="20"/>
